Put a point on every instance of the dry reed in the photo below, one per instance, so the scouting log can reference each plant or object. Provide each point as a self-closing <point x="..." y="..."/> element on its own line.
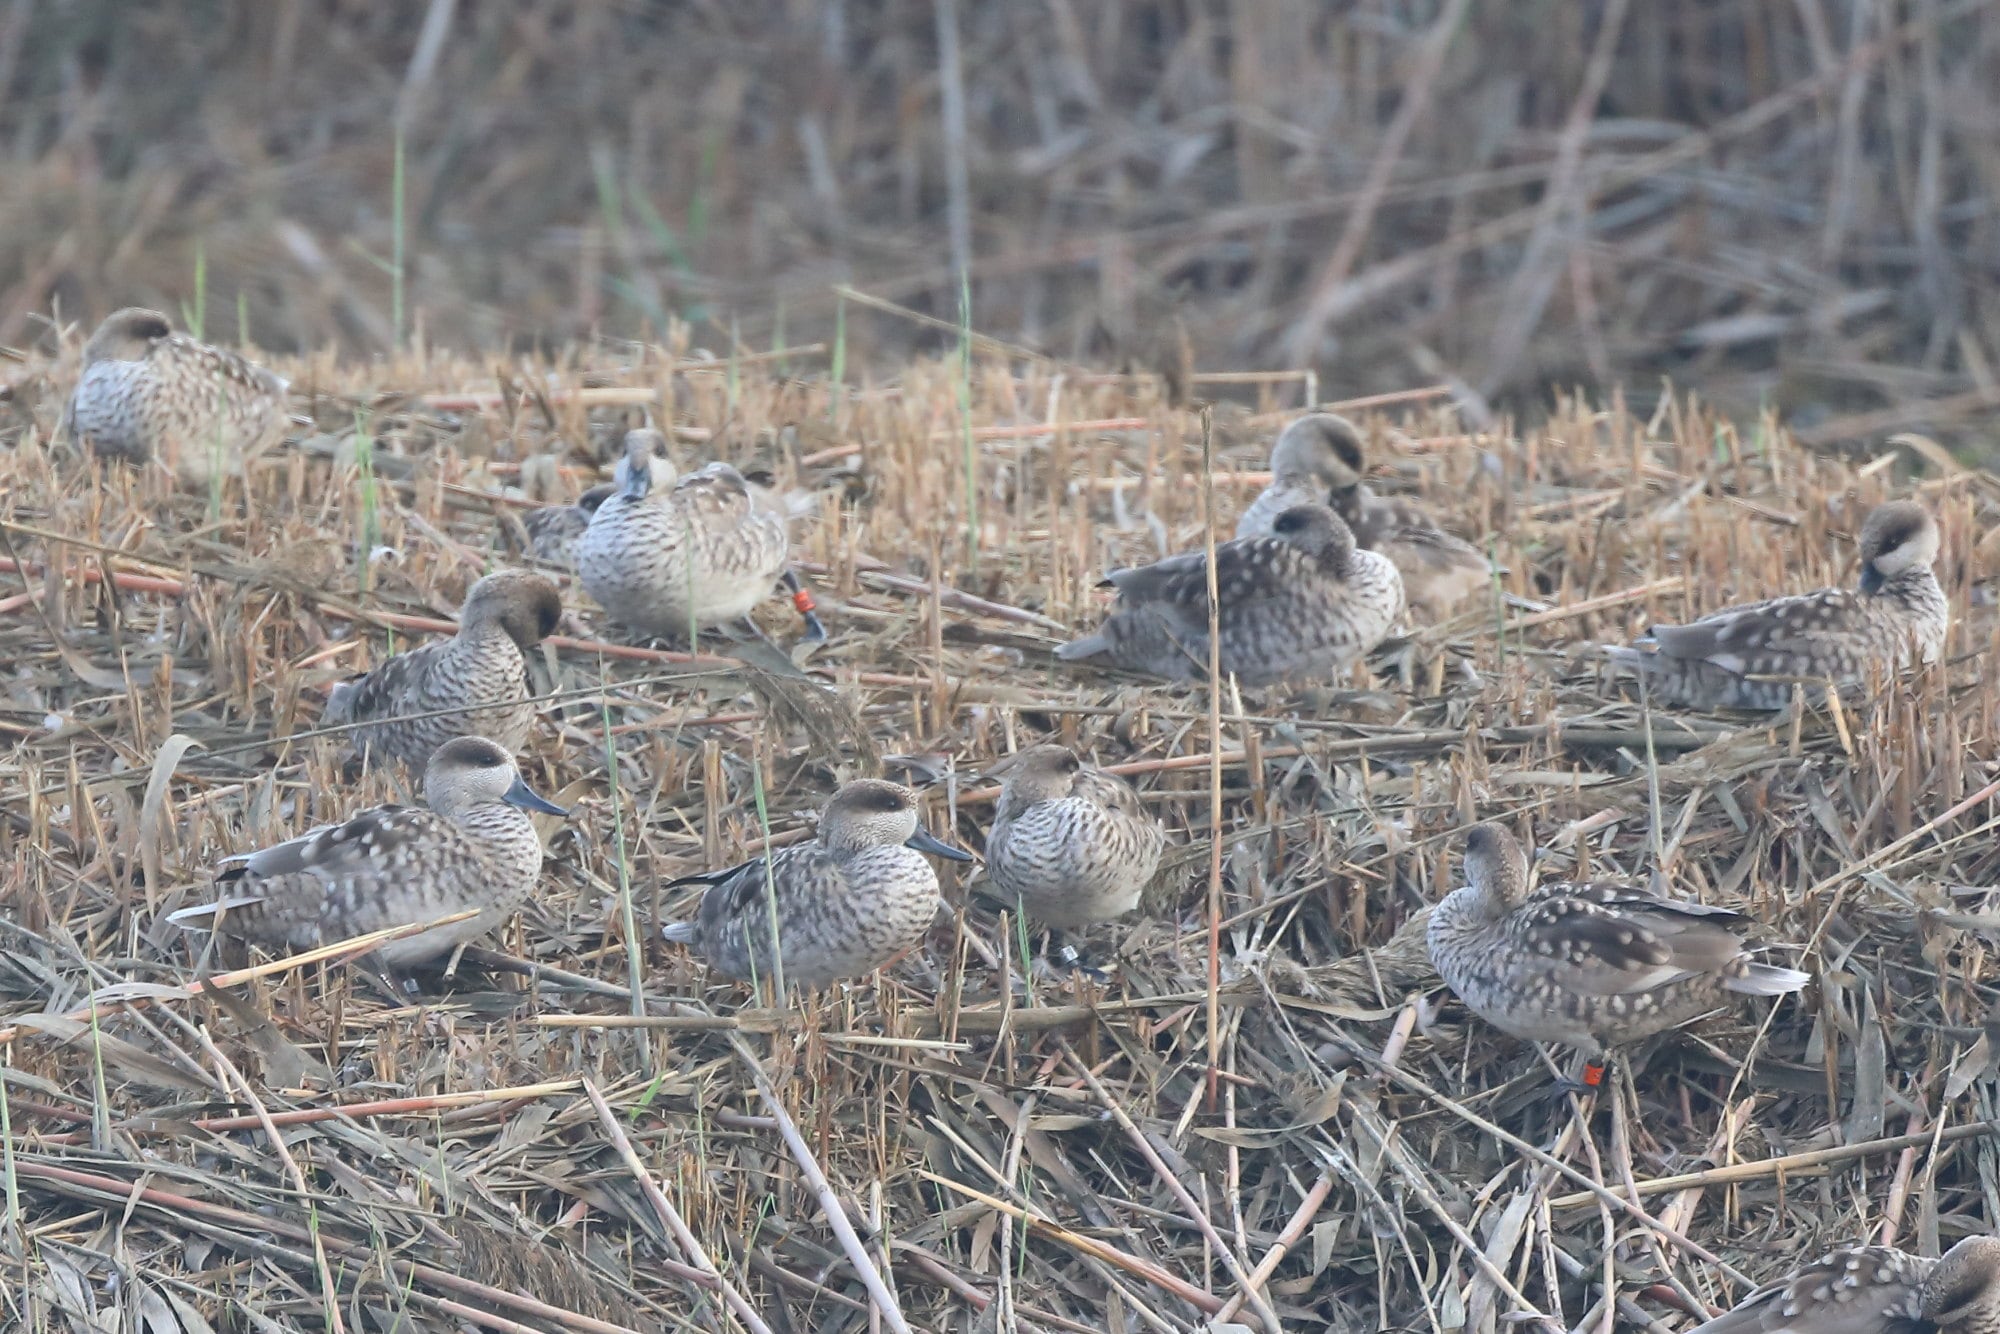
<point x="933" y="1149"/>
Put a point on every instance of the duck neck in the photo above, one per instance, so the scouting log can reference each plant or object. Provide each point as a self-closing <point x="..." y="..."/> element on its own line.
<point x="501" y="831"/>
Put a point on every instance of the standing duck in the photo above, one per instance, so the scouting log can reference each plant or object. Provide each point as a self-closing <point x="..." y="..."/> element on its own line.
<point x="1070" y="842"/>
<point x="857" y="898"/>
<point x="1303" y="604"/>
<point x="1590" y="965"/>
<point x="1752" y="657"/>
<point x="672" y="562"/>
<point x="474" y="849"/>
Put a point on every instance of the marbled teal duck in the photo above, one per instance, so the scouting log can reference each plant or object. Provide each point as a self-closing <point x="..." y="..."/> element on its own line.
<point x="473" y="684"/>
<point x="855" y="899"/>
<point x="554" y="530"/>
<point x="698" y="555"/>
<point x="1877" y="1290"/>
<point x="1070" y="843"/>
<point x="147" y="393"/>
<point x="474" y="849"/>
<point x="1591" y="965"/>
<point x="1303" y="604"/>
<point x="1752" y="657"/>
<point x="1318" y="461"/>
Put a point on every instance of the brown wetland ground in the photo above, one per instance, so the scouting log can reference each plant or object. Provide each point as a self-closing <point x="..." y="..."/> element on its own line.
<point x="1270" y="1117"/>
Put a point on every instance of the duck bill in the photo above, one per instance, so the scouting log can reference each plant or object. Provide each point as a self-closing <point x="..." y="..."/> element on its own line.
<point x="1871" y="579"/>
<point x="530" y="800"/>
<point x="937" y="847"/>
<point x="635" y="480"/>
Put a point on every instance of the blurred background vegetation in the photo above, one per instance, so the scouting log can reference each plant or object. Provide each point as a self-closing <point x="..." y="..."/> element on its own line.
<point x="1783" y="203"/>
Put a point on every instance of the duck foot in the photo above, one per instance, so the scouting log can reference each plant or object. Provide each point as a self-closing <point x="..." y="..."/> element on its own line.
<point x="1061" y="960"/>
<point x="398" y="988"/>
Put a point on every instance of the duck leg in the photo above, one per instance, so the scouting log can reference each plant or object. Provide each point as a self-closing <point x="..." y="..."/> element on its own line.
<point x="1062" y="957"/>
<point x="802" y="600"/>
<point x="398" y="988"/>
<point x="1584" y="1077"/>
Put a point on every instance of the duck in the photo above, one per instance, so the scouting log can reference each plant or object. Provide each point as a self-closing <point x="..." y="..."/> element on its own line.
<point x="701" y="554"/>
<point x="1303" y="604"/>
<point x="147" y="393"/>
<point x="553" y="530"/>
<point x="1753" y="656"/>
<point x="1070" y="843"/>
<point x="1318" y="460"/>
<point x="857" y="898"/>
<point x="1590" y="965"/>
<point x="479" y="675"/>
<point x="1877" y="1290"/>
<point x="472" y="847"/>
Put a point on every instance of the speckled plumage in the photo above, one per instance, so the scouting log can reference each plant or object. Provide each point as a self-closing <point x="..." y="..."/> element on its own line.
<point x="1590" y="965"/>
<point x="1877" y="1290"/>
<point x="1300" y="605"/>
<point x="858" y="897"/>
<point x="699" y="555"/>
<point x="481" y="672"/>
<point x="1070" y="842"/>
<point x="147" y="392"/>
<point x="1750" y="657"/>
<point x="1318" y="461"/>
<point x="474" y="848"/>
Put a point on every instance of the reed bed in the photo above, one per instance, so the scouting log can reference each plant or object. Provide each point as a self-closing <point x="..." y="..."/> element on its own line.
<point x="1786" y="202"/>
<point x="1269" y="1118"/>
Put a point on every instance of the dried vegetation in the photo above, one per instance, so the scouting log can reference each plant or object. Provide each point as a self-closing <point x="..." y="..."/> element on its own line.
<point x="563" y="1152"/>
<point x="1783" y="202"/>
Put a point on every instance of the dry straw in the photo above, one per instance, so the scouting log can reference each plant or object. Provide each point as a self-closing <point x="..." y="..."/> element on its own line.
<point x="1267" y="1116"/>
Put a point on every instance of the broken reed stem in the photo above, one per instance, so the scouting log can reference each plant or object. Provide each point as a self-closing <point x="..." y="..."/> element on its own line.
<point x="138" y="994"/>
<point x="247" y="1227"/>
<point x="628" y="917"/>
<point x="1596" y="1190"/>
<point x="1838" y="881"/>
<point x="427" y="1105"/>
<point x="1247" y="1288"/>
<point x="1792" y="1164"/>
<point x="836" y="1216"/>
<point x="1293" y="1231"/>
<point x="1162" y="1279"/>
<point x="663" y="1206"/>
<point x="330" y="1293"/>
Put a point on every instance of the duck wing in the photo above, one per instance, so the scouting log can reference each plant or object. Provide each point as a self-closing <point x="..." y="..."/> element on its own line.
<point x="389" y="690"/>
<point x="1246" y="570"/>
<point x="715" y="499"/>
<point x="1781" y="637"/>
<point x="1855" y="1290"/>
<point x="1592" y="943"/>
<point x="385" y="840"/>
